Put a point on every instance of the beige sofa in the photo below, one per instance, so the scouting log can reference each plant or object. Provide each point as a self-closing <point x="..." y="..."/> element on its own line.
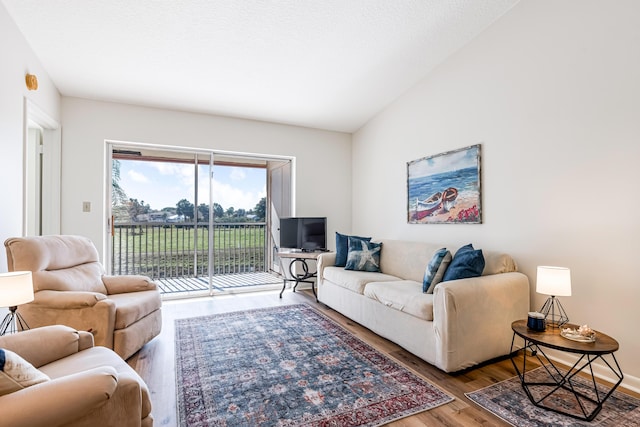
<point x="88" y="386"/>
<point x="463" y="323"/>
<point x="122" y="312"/>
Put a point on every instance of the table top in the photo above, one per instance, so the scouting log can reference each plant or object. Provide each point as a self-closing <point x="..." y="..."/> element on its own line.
<point x="551" y="338"/>
<point x="300" y="254"/>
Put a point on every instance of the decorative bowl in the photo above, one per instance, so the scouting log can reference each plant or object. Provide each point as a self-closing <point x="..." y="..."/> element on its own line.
<point x="582" y="334"/>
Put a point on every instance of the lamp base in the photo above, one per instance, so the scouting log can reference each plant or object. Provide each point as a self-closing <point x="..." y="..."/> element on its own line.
<point x="9" y="322"/>
<point x="554" y="313"/>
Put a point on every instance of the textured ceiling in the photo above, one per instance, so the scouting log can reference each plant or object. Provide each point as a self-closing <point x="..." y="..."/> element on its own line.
<point x="328" y="64"/>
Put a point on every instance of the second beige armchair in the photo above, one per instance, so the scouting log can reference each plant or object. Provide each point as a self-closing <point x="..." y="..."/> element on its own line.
<point x="122" y="312"/>
<point x="78" y="384"/>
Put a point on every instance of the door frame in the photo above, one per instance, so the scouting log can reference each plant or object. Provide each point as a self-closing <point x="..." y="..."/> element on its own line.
<point x="49" y="174"/>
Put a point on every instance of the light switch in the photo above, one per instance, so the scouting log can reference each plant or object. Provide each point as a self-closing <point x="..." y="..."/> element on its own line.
<point x="86" y="206"/>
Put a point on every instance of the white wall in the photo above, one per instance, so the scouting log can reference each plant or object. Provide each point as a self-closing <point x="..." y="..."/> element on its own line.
<point x="17" y="60"/>
<point x="323" y="159"/>
<point x="552" y="91"/>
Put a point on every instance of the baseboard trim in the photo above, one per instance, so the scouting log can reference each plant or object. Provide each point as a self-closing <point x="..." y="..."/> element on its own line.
<point x="601" y="371"/>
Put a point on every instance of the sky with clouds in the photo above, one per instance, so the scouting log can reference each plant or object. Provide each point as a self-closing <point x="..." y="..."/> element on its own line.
<point x="450" y="161"/>
<point x="163" y="184"/>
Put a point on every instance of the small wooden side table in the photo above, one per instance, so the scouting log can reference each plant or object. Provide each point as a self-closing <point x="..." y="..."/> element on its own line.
<point x="306" y="276"/>
<point x="589" y="401"/>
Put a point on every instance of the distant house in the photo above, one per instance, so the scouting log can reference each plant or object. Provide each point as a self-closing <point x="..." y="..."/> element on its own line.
<point x="152" y="217"/>
<point x="157" y="216"/>
<point x="175" y="218"/>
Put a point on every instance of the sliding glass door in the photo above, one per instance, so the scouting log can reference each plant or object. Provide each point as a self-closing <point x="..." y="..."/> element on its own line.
<point x="160" y="204"/>
<point x="194" y="221"/>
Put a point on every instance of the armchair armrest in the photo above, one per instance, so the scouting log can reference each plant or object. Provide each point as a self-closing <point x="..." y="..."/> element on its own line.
<point x="326" y="259"/>
<point x="85" y="340"/>
<point x="474" y="316"/>
<point x="128" y="283"/>
<point x="67" y="299"/>
<point x="60" y="401"/>
<point x="84" y="311"/>
<point x="44" y="345"/>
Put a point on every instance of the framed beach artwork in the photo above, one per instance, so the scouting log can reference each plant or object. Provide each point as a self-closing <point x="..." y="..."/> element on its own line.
<point x="445" y="188"/>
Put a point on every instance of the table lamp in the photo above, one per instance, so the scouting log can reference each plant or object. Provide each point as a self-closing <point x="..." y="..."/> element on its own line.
<point x="555" y="282"/>
<point x="15" y="288"/>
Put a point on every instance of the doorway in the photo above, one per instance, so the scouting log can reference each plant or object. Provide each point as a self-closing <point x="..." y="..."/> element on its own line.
<point x="42" y="157"/>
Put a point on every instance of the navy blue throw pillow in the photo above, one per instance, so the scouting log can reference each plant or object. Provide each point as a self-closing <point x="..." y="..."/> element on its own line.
<point x="363" y="255"/>
<point x="467" y="262"/>
<point x="342" y="247"/>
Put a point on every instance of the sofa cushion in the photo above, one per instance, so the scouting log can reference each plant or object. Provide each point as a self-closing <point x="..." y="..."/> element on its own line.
<point x="405" y="296"/>
<point x="354" y="280"/>
<point x="16" y="373"/>
<point x="434" y="272"/>
<point x="498" y="262"/>
<point x="466" y="263"/>
<point x="363" y="255"/>
<point x="406" y="259"/>
<point x="342" y="247"/>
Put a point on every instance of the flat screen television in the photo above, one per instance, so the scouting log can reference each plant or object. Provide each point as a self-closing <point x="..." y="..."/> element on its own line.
<point x="305" y="233"/>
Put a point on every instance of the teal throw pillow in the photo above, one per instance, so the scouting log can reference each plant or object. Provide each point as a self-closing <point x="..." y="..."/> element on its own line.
<point x="467" y="262"/>
<point x="342" y="247"/>
<point x="434" y="272"/>
<point x="363" y="255"/>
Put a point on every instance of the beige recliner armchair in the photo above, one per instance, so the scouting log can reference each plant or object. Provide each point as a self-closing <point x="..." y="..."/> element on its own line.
<point x="70" y="287"/>
<point x="83" y="385"/>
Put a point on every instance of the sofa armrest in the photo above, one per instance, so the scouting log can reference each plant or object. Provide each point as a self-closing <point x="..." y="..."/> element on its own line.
<point x="472" y="317"/>
<point x="60" y="401"/>
<point x="326" y="259"/>
<point x="67" y="299"/>
<point x="44" y="345"/>
<point x="128" y="283"/>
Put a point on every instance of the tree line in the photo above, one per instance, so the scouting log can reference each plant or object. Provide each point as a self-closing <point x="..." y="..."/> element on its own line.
<point x="127" y="209"/>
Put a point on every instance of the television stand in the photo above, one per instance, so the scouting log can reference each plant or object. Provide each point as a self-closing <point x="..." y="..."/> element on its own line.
<point x="306" y="276"/>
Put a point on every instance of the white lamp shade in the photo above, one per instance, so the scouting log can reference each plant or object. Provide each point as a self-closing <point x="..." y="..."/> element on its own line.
<point x="15" y="288"/>
<point x="555" y="281"/>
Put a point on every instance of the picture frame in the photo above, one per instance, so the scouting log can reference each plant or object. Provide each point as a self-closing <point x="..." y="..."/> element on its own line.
<point x="445" y="188"/>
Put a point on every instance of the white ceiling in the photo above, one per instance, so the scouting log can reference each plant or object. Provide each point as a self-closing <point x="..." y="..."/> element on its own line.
<point x="328" y="64"/>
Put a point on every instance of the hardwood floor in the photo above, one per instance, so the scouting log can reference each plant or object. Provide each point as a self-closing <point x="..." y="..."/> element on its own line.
<point x="156" y="362"/>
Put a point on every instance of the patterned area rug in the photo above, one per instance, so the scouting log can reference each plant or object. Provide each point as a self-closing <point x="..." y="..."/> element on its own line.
<point x="289" y="366"/>
<point x="508" y="401"/>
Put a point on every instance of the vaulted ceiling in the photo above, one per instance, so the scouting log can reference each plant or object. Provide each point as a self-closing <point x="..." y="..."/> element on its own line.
<point x="328" y="64"/>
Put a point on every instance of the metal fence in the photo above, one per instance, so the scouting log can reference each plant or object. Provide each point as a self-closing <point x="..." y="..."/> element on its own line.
<point x="170" y="250"/>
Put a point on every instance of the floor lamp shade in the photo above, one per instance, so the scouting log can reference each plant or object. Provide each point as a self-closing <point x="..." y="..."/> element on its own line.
<point x="15" y="288"/>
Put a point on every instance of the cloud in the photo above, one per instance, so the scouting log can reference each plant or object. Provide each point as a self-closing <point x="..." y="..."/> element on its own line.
<point x="460" y="159"/>
<point x="228" y="196"/>
<point x="181" y="171"/>
<point x="137" y="176"/>
<point x="237" y="174"/>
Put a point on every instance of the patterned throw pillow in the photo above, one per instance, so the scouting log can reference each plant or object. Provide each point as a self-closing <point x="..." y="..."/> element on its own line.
<point x="342" y="247"/>
<point x="363" y="255"/>
<point x="467" y="262"/>
<point x="16" y="373"/>
<point x="434" y="272"/>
